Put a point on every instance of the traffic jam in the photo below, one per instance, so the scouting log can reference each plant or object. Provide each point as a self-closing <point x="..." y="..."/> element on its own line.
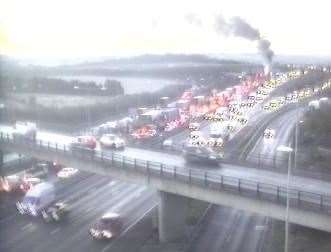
<point x="209" y="121"/>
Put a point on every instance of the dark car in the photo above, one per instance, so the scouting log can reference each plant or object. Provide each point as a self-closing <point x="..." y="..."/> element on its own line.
<point x="201" y="154"/>
<point x="109" y="226"/>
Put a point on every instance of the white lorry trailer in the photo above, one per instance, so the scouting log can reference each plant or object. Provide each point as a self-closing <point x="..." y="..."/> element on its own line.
<point x="40" y="201"/>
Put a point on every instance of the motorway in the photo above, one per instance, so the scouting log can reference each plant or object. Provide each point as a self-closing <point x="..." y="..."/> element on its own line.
<point x="89" y="197"/>
<point x="84" y="193"/>
<point x="265" y="150"/>
<point x="225" y="229"/>
<point x="232" y="230"/>
<point x="228" y="170"/>
<point x="234" y="238"/>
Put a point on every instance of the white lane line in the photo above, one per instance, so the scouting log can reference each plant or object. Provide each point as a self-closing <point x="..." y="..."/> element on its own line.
<point x="129" y="228"/>
<point x="119" y="193"/>
<point x="128" y="199"/>
<point x="55" y="231"/>
<point x="111" y="183"/>
<point x="29" y="227"/>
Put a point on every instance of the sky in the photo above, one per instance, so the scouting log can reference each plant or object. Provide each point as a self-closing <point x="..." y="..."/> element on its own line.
<point x="100" y="28"/>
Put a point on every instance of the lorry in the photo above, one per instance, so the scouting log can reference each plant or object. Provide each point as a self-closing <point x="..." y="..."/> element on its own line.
<point x="40" y="201"/>
<point x="25" y="130"/>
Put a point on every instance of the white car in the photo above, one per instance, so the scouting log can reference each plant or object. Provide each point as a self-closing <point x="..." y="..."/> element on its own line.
<point x="67" y="172"/>
<point x="112" y="141"/>
<point x="167" y="143"/>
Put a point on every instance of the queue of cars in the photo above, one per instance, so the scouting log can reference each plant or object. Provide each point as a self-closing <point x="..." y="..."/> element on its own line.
<point x="197" y="150"/>
<point x="295" y="96"/>
<point x="231" y="115"/>
<point x="89" y="143"/>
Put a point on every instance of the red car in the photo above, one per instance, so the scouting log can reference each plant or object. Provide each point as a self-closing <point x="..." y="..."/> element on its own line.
<point x="19" y="184"/>
<point x="145" y="132"/>
<point x="84" y="142"/>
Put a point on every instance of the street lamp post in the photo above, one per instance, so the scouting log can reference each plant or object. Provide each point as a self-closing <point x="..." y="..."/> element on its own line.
<point x="289" y="150"/>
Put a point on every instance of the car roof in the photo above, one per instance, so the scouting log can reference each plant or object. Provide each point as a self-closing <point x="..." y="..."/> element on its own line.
<point x="67" y="168"/>
<point x="108" y="135"/>
<point x="86" y="137"/>
<point x="110" y="215"/>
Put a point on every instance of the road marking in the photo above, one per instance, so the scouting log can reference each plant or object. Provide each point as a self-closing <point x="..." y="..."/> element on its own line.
<point x="128" y="228"/>
<point x="128" y="199"/>
<point x="111" y="183"/>
<point x="260" y="228"/>
<point x="29" y="227"/>
<point x="55" y="231"/>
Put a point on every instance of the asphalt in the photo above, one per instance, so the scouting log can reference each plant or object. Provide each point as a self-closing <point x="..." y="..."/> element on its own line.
<point x="89" y="197"/>
<point x="231" y="230"/>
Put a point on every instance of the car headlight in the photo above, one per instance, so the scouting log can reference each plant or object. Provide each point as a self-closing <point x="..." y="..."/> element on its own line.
<point x="95" y="232"/>
<point x="33" y="211"/>
<point x="212" y="157"/>
<point x="107" y="234"/>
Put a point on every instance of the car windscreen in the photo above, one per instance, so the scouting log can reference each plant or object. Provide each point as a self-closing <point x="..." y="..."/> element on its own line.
<point x="31" y="200"/>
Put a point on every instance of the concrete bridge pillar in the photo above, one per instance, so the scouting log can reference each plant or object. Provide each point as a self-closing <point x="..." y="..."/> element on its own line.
<point x="172" y="217"/>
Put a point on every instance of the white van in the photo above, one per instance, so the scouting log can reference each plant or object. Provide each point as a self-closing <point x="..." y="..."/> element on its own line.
<point x="37" y="199"/>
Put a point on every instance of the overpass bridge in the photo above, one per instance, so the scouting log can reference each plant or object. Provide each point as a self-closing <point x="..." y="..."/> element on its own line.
<point x="310" y="200"/>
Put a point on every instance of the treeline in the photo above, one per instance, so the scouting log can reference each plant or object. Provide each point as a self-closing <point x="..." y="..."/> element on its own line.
<point x="90" y="113"/>
<point x="317" y="125"/>
<point x="60" y="86"/>
<point x="178" y="72"/>
<point x="161" y="59"/>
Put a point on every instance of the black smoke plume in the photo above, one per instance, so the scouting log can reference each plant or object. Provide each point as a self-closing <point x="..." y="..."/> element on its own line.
<point x="238" y="27"/>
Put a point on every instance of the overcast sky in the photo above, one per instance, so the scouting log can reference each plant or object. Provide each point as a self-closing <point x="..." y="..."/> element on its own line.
<point x="85" y="28"/>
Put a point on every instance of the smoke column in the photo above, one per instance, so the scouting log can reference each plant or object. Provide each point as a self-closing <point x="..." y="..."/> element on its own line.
<point x="238" y="27"/>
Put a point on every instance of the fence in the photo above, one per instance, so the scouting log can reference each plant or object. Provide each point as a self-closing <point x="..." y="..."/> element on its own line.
<point x="197" y="177"/>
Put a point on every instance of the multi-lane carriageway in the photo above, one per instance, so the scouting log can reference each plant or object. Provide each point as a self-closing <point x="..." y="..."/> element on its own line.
<point x="259" y="191"/>
<point x="229" y="178"/>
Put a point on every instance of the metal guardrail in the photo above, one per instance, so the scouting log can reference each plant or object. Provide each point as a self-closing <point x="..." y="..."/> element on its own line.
<point x="15" y="162"/>
<point x="206" y="179"/>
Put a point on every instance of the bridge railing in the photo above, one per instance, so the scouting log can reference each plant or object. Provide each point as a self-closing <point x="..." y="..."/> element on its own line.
<point x="315" y="201"/>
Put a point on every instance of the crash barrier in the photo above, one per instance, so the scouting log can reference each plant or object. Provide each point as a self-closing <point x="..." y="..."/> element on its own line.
<point x="248" y="144"/>
<point x="279" y="163"/>
<point x="313" y="201"/>
<point x="17" y="165"/>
